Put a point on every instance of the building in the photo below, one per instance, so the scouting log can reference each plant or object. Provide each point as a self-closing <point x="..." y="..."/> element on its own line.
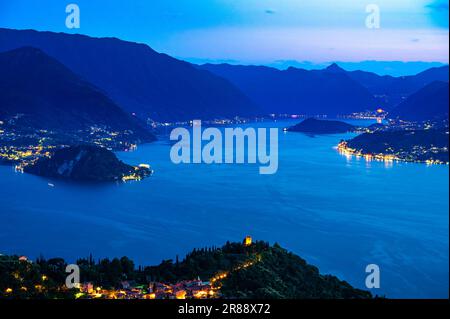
<point x="87" y="287"/>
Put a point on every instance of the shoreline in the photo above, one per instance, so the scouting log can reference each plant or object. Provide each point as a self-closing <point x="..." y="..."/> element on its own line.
<point x="343" y="149"/>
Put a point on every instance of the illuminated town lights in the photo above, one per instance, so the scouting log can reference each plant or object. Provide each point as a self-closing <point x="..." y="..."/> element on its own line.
<point x="180" y="294"/>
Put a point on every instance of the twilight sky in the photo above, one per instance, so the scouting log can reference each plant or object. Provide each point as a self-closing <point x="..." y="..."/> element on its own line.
<point x="254" y="31"/>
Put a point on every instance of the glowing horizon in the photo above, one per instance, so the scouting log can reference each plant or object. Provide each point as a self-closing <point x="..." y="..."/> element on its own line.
<point x="255" y="31"/>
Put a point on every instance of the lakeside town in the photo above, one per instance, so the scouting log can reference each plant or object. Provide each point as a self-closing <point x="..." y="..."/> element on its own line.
<point x="25" y="278"/>
<point x="401" y="141"/>
<point x="130" y="289"/>
<point x="23" y="147"/>
<point x="185" y="289"/>
<point x="401" y="156"/>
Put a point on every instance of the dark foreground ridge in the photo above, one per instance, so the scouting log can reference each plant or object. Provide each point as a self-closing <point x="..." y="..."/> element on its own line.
<point x="236" y="270"/>
<point x="312" y="125"/>
<point x="86" y="163"/>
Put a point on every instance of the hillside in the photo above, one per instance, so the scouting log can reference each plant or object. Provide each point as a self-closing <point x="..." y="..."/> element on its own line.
<point x="283" y="275"/>
<point x="429" y="103"/>
<point x="137" y="78"/>
<point x="38" y="92"/>
<point x="393" y="90"/>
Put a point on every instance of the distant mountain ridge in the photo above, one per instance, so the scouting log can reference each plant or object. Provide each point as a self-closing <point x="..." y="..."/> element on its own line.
<point x="44" y="94"/>
<point x="332" y="91"/>
<point x="394" y="90"/>
<point x="298" y="91"/>
<point x="137" y="78"/>
<point x="392" y="68"/>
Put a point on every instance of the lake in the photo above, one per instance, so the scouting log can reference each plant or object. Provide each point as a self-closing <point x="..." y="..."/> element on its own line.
<point x="339" y="213"/>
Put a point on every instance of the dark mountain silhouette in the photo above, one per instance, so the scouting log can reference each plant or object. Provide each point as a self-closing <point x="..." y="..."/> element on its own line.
<point x="297" y="91"/>
<point x="332" y="90"/>
<point x="158" y="86"/>
<point x="334" y="68"/>
<point x="138" y="78"/>
<point x="394" y="90"/>
<point x="41" y="93"/>
<point x="312" y="125"/>
<point x="429" y="103"/>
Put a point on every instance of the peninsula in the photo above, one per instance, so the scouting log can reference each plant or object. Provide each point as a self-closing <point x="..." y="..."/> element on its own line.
<point x="85" y="163"/>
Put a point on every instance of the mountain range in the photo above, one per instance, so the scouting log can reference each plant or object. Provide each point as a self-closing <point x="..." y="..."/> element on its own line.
<point x="139" y="79"/>
<point x="394" y="90"/>
<point x="155" y="86"/>
<point x="393" y="68"/>
<point x="332" y="91"/>
<point x="298" y="91"/>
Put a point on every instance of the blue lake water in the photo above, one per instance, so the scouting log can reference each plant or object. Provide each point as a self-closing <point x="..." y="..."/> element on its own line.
<point x="338" y="213"/>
